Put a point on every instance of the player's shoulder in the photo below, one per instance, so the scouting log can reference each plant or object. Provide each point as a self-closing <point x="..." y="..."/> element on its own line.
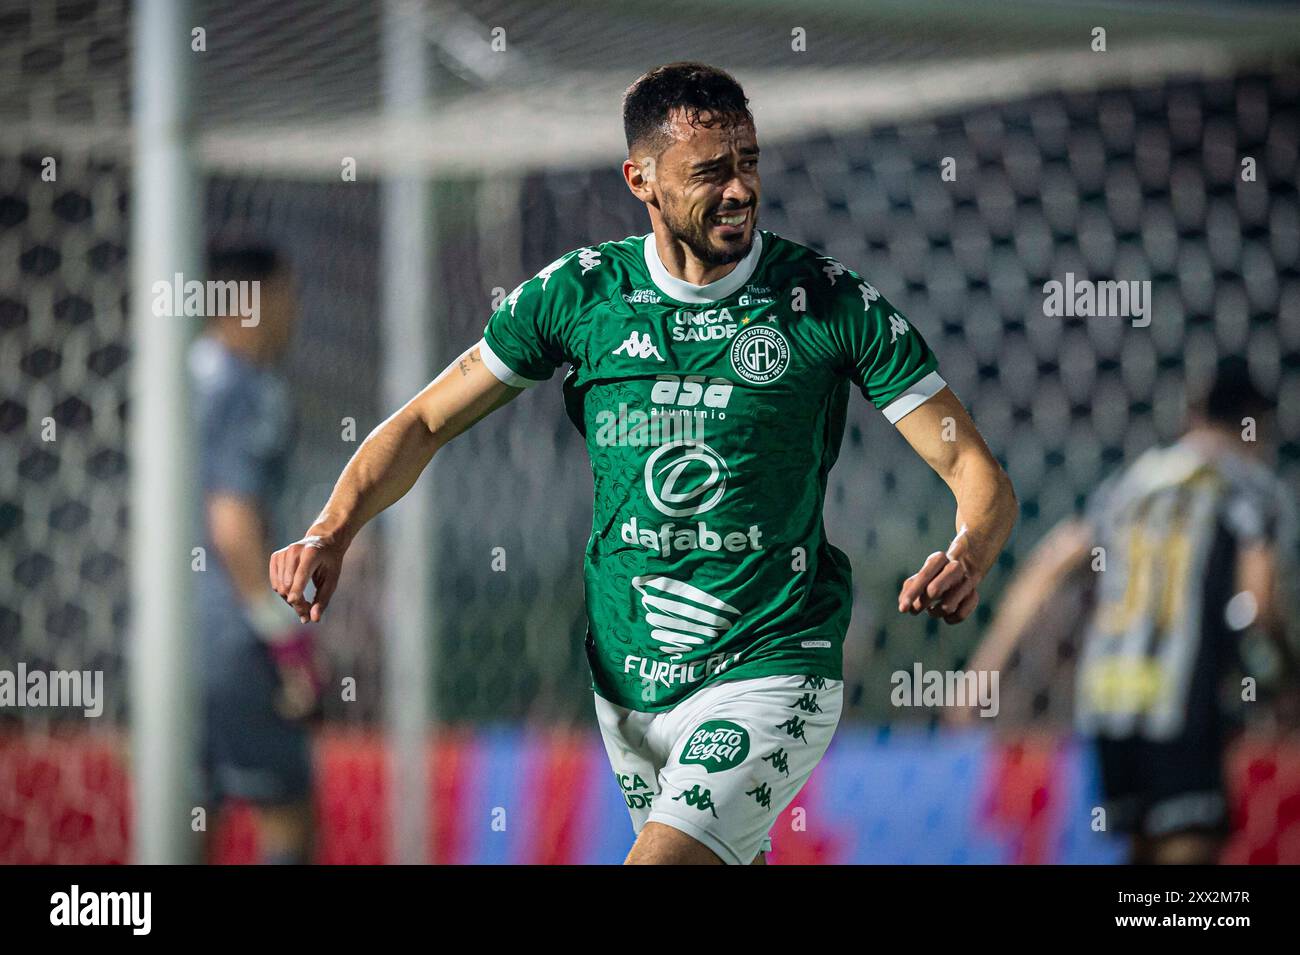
<point x="825" y="279"/>
<point x="1249" y="477"/>
<point x="586" y="275"/>
<point x="598" y="264"/>
<point x="232" y="394"/>
<point x="215" y="371"/>
<point x="1122" y="485"/>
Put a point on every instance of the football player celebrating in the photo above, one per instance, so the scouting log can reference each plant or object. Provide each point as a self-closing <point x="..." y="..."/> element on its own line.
<point x="716" y="606"/>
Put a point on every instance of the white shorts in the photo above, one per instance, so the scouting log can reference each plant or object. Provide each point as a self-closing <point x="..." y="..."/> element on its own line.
<point x="724" y="763"/>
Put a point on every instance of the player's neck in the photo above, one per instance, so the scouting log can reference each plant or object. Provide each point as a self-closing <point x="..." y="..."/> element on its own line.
<point x="681" y="263"/>
<point x="1211" y="438"/>
<point x="246" y="346"/>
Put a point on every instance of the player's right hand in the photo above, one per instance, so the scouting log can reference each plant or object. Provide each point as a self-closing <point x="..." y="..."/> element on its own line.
<point x="316" y="558"/>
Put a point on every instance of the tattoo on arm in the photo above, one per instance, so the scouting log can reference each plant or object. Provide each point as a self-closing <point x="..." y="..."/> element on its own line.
<point x="468" y="362"/>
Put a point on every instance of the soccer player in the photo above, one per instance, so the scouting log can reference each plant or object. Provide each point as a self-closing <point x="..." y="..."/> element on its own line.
<point x="1193" y="537"/>
<point x="710" y="365"/>
<point x="258" y="669"/>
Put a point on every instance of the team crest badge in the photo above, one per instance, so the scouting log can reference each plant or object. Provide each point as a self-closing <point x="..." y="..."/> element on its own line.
<point x="760" y="354"/>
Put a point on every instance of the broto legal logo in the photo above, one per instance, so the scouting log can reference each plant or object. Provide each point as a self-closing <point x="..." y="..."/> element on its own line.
<point x="716" y="745"/>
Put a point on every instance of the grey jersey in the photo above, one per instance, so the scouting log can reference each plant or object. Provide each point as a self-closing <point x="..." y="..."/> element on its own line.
<point x="1157" y="644"/>
<point x="246" y="430"/>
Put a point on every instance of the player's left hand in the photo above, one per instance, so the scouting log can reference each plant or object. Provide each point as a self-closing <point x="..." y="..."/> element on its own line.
<point x="298" y="666"/>
<point x="945" y="586"/>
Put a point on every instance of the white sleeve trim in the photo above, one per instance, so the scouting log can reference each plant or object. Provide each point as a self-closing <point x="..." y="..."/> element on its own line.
<point x="503" y="371"/>
<point x="913" y="397"/>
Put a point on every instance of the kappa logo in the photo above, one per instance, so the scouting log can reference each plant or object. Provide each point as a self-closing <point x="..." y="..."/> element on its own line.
<point x="639" y="346"/>
<point x="807" y="703"/>
<point x="897" y="326"/>
<point x="760" y="354"/>
<point x="681" y="615"/>
<point x="546" y="273"/>
<point x="716" y="745"/>
<point x="762" y="794"/>
<point x="869" y="295"/>
<point x="513" y="298"/>
<point x="588" y="259"/>
<point x="701" y="799"/>
<point x="794" y="727"/>
<point x="832" y="268"/>
<point x="780" y="761"/>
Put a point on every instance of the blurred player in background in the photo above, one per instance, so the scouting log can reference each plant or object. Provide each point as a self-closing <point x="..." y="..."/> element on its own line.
<point x="258" y="671"/>
<point x="1193" y="537"/>
<point x="717" y="608"/>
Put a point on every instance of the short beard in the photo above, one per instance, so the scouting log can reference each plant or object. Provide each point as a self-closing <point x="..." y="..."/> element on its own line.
<point x="696" y="238"/>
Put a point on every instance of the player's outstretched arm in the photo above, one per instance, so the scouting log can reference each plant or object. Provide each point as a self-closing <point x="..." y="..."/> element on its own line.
<point x="1258" y="574"/>
<point x="384" y="468"/>
<point x="942" y="433"/>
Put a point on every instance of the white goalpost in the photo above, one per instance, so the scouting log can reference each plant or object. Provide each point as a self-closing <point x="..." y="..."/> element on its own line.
<point x="165" y="228"/>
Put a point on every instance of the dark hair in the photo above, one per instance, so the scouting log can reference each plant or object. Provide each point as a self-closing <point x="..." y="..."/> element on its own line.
<point x="1232" y="395"/>
<point x="695" y="87"/>
<point x="243" y="263"/>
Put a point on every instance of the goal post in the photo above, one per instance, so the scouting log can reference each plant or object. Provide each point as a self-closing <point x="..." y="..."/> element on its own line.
<point x="165" y="224"/>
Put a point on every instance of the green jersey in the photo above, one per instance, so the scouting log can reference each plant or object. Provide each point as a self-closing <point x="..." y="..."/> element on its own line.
<point x="712" y="416"/>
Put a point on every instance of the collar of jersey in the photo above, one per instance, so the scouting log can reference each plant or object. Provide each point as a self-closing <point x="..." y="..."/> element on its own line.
<point x="690" y="294"/>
